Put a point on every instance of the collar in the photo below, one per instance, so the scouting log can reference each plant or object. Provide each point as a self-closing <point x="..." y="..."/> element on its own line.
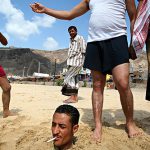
<point x="75" y="39"/>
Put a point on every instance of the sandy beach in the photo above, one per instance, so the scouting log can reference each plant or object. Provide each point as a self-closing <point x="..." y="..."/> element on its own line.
<point x="34" y="106"/>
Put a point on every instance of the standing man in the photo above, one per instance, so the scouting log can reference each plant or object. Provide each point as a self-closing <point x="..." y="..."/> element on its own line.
<point x="76" y="55"/>
<point x="106" y="52"/>
<point x="64" y="126"/>
<point x="6" y="87"/>
<point x="142" y="35"/>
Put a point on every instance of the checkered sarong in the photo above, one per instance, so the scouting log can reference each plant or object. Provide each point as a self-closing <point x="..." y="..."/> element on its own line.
<point x="141" y="27"/>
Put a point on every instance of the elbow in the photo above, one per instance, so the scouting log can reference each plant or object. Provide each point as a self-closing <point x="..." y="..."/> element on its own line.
<point x="69" y="18"/>
<point x="4" y="42"/>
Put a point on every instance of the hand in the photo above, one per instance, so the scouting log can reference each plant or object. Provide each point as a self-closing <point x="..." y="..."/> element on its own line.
<point x="132" y="54"/>
<point x="38" y="8"/>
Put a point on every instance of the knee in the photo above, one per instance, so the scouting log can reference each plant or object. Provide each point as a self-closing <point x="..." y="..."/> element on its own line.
<point x="97" y="85"/>
<point x="7" y="88"/>
<point x="122" y="85"/>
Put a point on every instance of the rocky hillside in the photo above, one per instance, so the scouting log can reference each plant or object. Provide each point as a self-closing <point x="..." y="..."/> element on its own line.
<point x="25" y="61"/>
<point x="140" y="65"/>
<point x="19" y="61"/>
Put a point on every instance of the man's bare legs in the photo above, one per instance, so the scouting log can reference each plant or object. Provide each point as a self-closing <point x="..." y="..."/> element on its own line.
<point x="97" y="103"/>
<point x="6" y="87"/>
<point x="126" y="97"/>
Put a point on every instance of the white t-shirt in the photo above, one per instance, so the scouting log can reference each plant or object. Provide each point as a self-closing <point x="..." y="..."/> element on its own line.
<point x="107" y="19"/>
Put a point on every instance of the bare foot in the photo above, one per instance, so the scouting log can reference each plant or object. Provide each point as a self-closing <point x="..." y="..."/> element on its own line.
<point x="67" y="101"/>
<point x="132" y="130"/>
<point x="71" y="99"/>
<point x="97" y="135"/>
<point x="7" y="114"/>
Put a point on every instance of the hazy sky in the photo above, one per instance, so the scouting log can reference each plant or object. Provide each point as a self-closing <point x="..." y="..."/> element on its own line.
<point x="27" y="29"/>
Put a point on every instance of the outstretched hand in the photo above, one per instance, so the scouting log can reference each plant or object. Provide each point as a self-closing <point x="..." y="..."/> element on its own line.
<point x="38" y="8"/>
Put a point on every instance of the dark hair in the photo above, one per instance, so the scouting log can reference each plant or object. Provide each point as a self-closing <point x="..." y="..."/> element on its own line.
<point x="72" y="27"/>
<point x="70" y="111"/>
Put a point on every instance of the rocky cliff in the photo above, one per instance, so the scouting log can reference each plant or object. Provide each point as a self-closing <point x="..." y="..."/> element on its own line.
<point x="25" y="61"/>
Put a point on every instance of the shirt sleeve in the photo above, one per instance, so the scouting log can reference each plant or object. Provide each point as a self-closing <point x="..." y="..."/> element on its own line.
<point x="82" y="45"/>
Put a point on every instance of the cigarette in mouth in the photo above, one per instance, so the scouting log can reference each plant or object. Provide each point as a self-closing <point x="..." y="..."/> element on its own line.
<point x="51" y="139"/>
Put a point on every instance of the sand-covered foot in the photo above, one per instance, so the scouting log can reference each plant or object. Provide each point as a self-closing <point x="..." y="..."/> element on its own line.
<point x="97" y="135"/>
<point x="133" y="131"/>
<point x="7" y="114"/>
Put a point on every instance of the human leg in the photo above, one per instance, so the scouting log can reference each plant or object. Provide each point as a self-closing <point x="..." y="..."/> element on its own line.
<point x="97" y="102"/>
<point x="72" y="84"/>
<point x="126" y="97"/>
<point x="6" y="87"/>
<point x="74" y="97"/>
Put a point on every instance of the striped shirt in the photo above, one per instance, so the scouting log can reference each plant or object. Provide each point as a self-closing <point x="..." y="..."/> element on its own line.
<point x="76" y="52"/>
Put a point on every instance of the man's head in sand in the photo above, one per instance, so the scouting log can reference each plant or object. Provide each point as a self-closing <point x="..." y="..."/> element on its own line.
<point x="64" y="125"/>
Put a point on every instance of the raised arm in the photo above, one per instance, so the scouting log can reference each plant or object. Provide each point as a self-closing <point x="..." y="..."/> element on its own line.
<point x="131" y="9"/>
<point x="3" y="40"/>
<point x="77" y="11"/>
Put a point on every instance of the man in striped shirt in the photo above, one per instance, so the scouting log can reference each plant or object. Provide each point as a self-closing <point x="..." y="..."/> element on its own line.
<point x="75" y="60"/>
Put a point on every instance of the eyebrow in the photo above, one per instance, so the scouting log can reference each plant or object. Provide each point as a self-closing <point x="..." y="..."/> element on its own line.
<point x="59" y="123"/>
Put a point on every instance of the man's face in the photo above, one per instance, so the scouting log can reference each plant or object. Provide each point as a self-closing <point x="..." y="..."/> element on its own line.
<point x="72" y="33"/>
<point x="62" y="129"/>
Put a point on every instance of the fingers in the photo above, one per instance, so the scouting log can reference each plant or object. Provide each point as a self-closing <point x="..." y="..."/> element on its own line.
<point x="37" y="7"/>
<point x="34" y="7"/>
<point x="37" y="3"/>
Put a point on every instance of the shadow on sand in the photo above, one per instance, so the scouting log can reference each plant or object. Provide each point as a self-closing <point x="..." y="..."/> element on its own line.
<point x="115" y="118"/>
<point x="14" y="111"/>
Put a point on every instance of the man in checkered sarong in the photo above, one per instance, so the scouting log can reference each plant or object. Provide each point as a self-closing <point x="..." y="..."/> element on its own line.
<point x="141" y="35"/>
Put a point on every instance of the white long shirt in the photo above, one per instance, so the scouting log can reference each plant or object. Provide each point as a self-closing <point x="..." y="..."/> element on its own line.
<point x="76" y="52"/>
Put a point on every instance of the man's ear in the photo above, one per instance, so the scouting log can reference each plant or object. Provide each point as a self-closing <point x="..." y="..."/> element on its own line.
<point x="75" y="128"/>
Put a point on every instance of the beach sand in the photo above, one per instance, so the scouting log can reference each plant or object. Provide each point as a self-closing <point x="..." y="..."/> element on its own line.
<point x="35" y="104"/>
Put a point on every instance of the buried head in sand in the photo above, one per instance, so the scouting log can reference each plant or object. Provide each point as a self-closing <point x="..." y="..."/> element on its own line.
<point x="64" y="125"/>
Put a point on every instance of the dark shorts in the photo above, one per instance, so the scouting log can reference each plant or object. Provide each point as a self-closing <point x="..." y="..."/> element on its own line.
<point x="2" y="72"/>
<point x="104" y="55"/>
